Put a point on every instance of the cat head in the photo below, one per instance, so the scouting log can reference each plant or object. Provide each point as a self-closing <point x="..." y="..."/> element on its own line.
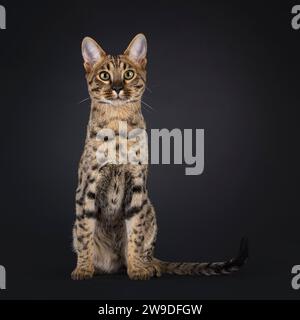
<point x="117" y="79"/>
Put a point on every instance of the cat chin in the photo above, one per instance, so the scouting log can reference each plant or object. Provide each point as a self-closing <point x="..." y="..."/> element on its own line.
<point x="119" y="102"/>
<point x="116" y="102"/>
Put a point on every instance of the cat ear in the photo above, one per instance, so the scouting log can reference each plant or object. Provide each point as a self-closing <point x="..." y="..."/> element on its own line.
<point x="137" y="50"/>
<point x="91" y="52"/>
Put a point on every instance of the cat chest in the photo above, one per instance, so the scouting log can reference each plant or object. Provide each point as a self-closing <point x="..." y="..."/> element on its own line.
<point x="115" y="195"/>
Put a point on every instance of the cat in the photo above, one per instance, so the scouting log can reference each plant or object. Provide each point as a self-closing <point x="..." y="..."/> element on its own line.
<point x="115" y="224"/>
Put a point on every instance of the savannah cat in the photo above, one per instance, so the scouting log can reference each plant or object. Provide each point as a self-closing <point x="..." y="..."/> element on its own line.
<point x="115" y="223"/>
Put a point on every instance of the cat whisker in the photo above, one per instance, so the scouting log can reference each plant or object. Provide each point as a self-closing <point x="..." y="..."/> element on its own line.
<point x="146" y="109"/>
<point x="148" y="89"/>
<point x="134" y="100"/>
<point x="148" y="105"/>
<point x="88" y="98"/>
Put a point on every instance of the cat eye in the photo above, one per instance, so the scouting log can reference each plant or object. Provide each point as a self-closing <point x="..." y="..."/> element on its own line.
<point x="128" y="75"/>
<point x="104" y="75"/>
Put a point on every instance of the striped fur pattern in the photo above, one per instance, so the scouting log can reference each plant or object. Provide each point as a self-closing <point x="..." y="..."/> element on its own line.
<point x="115" y="223"/>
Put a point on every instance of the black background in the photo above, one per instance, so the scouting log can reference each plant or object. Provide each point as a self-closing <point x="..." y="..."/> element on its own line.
<point x="229" y="68"/>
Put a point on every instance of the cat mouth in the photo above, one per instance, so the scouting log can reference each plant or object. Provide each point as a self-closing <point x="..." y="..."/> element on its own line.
<point x="120" y="98"/>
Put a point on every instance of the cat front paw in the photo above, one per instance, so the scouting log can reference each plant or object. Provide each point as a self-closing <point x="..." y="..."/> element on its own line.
<point x="144" y="272"/>
<point x="81" y="273"/>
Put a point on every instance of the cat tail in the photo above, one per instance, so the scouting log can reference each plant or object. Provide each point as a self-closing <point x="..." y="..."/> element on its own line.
<point x="206" y="268"/>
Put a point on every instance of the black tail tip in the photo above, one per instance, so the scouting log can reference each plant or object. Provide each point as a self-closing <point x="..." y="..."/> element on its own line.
<point x="243" y="254"/>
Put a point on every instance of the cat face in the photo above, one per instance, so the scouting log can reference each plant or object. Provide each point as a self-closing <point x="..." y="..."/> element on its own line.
<point x="119" y="79"/>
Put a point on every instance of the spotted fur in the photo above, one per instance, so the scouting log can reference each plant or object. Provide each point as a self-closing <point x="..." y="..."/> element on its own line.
<point x="115" y="222"/>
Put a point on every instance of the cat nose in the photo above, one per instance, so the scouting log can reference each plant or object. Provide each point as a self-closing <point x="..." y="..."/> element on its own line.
<point x="117" y="88"/>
